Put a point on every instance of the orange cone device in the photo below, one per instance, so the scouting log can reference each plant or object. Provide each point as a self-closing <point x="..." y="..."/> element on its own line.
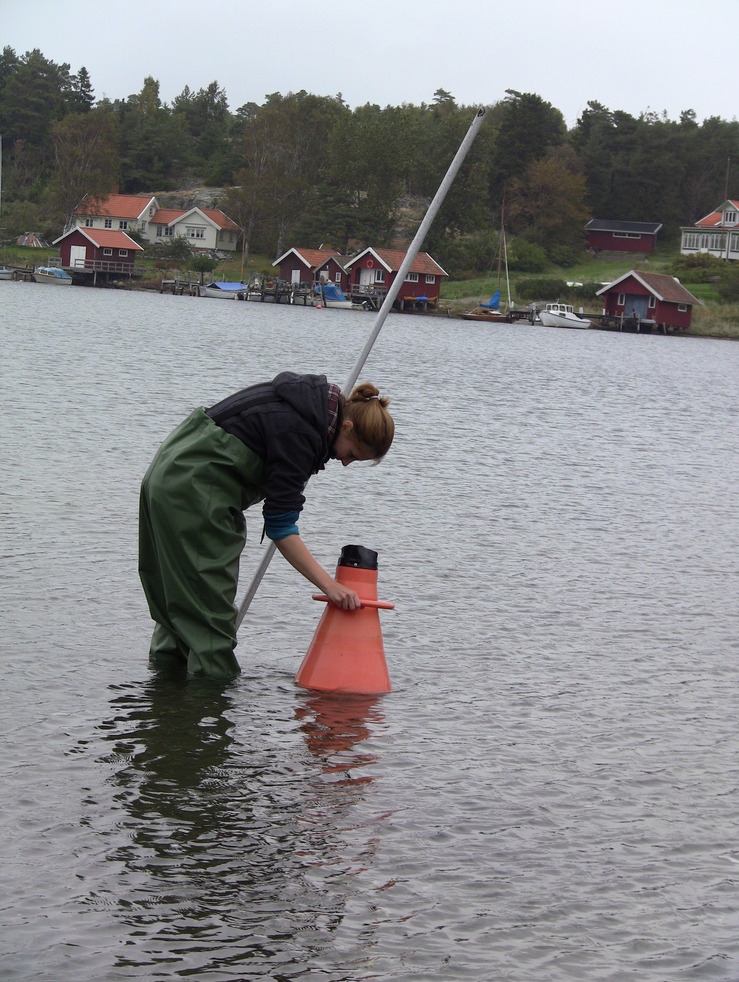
<point x="346" y="653"/>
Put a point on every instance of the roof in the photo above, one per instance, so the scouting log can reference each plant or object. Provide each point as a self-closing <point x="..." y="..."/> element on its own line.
<point x="392" y="260"/>
<point x="104" y="238"/>
<point x="714" y="219"/>
<point x="612" y="225"/>
<point x="115" y="206"/>
<point x="313" y="258"/>
<point x="32" y="239"/>
<point x="170" y="216"/>
<point x="661" y="285"/>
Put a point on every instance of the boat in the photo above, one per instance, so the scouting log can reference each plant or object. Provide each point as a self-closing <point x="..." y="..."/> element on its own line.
<point x="224" y="291"/>
<point x="5" y="273"/>
<point x="330" y="295"/>
<point x="561" y="315"/>
<point x="52" y="274"/>
<point x="491" y="311"/>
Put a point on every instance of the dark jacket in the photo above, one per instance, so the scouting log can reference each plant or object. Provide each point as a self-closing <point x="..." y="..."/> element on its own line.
<point x="285" y="422"/>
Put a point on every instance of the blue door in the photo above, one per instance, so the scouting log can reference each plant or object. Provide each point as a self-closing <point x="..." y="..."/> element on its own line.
<point x="635" y="306"/>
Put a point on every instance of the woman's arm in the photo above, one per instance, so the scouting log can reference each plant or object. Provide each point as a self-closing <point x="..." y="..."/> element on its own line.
<point x="296" y="552"/>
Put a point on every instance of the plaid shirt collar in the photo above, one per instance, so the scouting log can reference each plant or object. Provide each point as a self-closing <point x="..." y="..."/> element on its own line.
<point x="334" y="400"/>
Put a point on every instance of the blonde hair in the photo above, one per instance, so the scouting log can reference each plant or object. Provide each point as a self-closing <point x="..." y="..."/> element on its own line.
<point x="373" y="426"/>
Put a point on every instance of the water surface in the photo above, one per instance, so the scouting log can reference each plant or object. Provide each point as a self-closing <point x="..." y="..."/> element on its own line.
<point x="549" y="792"/>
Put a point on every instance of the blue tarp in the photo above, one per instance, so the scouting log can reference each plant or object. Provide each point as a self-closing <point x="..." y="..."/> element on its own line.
<point x="54" y="271"/>
<point x="494" y="302"/>
<point x="331" y="291"/>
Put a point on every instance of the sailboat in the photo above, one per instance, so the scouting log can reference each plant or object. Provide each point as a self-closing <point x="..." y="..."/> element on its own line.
<point x="5" y="273"/>
<point x="490" y="311"/>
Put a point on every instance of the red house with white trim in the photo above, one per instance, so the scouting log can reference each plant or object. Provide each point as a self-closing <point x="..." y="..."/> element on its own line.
<point x="605" y="235"/>
<point x="93" y="251"/>
<point x="649" y="300"/>
<point x="373" y="272"/>
<point x="307" y="267"/>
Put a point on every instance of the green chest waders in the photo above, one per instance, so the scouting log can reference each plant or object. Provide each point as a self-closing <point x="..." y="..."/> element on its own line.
<point x="191" y="535"/>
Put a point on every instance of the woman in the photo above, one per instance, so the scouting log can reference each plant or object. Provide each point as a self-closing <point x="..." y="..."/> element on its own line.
<point x="262" y="443"/>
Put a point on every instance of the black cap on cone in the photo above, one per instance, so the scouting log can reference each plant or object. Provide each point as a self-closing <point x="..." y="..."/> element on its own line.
<point x="359" y="557"/>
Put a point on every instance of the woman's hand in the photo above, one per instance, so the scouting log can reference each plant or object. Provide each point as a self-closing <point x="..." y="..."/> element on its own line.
<point x="342" y="596"/>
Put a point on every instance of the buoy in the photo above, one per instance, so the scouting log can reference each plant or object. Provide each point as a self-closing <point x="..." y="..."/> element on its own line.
<point x="346" y="654"/>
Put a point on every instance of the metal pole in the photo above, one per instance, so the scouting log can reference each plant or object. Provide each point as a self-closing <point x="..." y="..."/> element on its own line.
<point x="382" y="315"/>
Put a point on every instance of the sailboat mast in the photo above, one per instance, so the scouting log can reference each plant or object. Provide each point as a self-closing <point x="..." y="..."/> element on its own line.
<point x="502" y="236"/>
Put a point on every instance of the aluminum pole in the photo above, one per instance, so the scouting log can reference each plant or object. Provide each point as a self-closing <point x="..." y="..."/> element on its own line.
<point x="382" y="315"/>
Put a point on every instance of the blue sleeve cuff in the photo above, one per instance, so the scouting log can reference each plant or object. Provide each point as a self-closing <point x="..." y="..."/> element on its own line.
<point x="280" y="526"/>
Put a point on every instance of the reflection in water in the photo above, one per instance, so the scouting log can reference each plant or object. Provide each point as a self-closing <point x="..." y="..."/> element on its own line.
<point x="234" y="838"/>
<point x="334" y="725"/>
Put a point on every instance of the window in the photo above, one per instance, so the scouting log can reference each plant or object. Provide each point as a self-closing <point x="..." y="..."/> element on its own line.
<point x="107" y="252"/>
<point x="379" y="276"/>
<point x="621" y="300"/>
<point x="729" y="217"/>
<point x="123" y="224"/>
<point x="337" y="277"/>
<point x="430" y="278"/>
<point x="682" y="307"/>
<point x="89" y="223"/>
<point x="627" y="235"/>
<point x="109" y="223"/>
<point x="159" y="231"/>
<point x="194" y="232"/>
<point x="143" y="227"/>
<point x="412" y="278"/>
<point x="123" y="252"/>
<point x="652" y="303"/>
<point x="168" y="231"/>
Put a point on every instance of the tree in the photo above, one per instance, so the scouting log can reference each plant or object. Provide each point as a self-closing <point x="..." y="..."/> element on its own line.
<point x="204" y="116"/>
<point x="152" y="144"/>
<point x="528" y="127"/>
<point x="86" y="149"/>
<point x="33" y="99"/>
<point x="82" y="97"/>
<point x="547" y="204"/>
<point x="361" y="178"/>
<point x="290" y="135"/>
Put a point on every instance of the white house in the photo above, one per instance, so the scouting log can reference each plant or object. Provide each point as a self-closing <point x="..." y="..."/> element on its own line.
<point x="716" y="234"/>
<point x="204" y="228"/>
<point x="119" y="212"/>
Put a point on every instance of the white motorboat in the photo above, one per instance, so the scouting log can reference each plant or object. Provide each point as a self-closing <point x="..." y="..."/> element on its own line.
<point x="330" y="295"/>
<point x="52" y="274"/>
<point x="224" y="291"/>
<point x="5" y="273"/>
<point x="561" y="315"/>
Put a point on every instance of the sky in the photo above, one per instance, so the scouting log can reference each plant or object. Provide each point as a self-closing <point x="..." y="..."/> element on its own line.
<point x="631" y="55"/>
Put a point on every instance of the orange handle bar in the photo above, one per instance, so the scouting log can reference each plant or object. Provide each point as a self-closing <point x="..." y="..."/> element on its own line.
<point x="381" y="604"/>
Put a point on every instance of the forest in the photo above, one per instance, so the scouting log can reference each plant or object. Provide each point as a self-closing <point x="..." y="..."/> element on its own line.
<point x="307" y="169"/>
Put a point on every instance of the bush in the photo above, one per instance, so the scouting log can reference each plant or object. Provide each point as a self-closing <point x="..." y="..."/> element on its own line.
<point x="177" y="249"/>
<point x="564" y="255"/>
<point x="699" y="267"/>
<point x="540" y="286"/>
<point x="728" y="286"/>
<point x="528" y="257"/>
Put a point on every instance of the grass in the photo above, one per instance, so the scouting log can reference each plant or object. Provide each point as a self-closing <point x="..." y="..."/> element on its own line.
<point x="711" y="319"/>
